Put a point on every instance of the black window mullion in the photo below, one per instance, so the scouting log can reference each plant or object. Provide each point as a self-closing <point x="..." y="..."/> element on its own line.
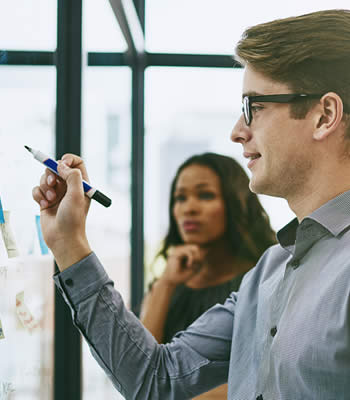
<point x="140" y="8"/>
<point x="191" y="60"/>
<point x="137" y="171"/>
<point x="20" y="57"/>
<point x="67" y="347"/>
<point x="137" y="186"/>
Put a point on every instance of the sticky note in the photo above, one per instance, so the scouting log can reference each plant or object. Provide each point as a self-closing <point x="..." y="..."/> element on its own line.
<point x="2" y="218"/>
<point x="3" y="57"/>
<point x="43" y="247"/>
<point x="8" y="237"/>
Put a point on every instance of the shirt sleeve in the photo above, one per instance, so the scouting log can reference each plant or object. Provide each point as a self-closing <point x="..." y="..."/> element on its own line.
<point x="195" y="361"/>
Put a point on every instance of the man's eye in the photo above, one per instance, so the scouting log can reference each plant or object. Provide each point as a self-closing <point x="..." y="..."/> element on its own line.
<point x="256" y="108"/>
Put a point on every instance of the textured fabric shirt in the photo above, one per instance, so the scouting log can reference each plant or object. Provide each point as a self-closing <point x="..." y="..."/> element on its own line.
<point x="284" y="335"/>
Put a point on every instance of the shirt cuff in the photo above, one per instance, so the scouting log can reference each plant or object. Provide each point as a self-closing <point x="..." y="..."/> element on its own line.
<point x="82" y="279"/>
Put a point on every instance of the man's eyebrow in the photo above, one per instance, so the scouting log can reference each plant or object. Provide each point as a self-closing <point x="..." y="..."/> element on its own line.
<point x="251" y="93"/>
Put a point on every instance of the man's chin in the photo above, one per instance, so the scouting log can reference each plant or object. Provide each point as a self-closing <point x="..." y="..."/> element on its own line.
<point x="254" y="186"/>
<point x="265" y="189"/>
<point x="258" y="186"/>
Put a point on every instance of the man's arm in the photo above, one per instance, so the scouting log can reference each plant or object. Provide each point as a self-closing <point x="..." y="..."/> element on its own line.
<point x="63" y="210"/>
<point x="139" y="367"/>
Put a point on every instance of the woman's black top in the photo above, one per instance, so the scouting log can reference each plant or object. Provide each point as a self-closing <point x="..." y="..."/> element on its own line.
<point x="187" y="304"/>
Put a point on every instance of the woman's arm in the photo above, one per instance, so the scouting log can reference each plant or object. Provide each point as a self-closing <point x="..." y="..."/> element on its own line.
<point x="155" y="307"/>
<point x="219" y="393"/>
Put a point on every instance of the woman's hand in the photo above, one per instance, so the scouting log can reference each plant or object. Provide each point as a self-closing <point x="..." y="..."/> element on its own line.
<point x="63" y="210"/>
<point x="183" y="262"/>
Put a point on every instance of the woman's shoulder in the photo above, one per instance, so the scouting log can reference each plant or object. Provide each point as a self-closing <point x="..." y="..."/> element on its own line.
<point x="219" y="290"/>
<point x="223" y="284"/>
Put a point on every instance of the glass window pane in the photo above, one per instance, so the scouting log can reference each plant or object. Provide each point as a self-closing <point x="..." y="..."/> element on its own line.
<point x="27" y="103"/>
<point x="209" y="27"/>
<point x="107" y="153"/>
<point x="28" y="25"/>
<point x="101" y="31"/>
<point x="189" y="111"/>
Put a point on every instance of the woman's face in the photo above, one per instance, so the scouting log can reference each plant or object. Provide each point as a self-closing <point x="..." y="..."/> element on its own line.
<point x="199" y="208"/>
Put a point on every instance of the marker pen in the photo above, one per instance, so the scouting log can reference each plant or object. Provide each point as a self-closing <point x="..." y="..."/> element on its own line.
<point x="52" y="165"/>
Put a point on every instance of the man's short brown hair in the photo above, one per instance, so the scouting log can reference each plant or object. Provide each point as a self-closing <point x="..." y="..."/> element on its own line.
<point x="310" y="53"/>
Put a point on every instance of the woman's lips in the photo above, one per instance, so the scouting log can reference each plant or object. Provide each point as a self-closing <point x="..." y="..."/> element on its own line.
<point x="190" y="226"/>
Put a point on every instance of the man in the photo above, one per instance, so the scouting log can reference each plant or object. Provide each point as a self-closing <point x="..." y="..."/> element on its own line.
<point x="286" y="334"/>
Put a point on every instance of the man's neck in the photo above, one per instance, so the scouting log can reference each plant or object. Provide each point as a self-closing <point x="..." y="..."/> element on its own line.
<point x="313" y="198"/>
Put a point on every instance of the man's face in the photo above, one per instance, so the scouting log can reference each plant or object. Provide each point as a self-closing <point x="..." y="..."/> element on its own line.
<point x="277" y="146"/>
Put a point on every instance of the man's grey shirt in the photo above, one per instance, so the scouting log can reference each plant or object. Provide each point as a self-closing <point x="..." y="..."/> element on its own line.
<point x="284" y="335"/>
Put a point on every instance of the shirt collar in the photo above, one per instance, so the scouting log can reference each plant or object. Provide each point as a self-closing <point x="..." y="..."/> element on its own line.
<point x="333" y="215"/>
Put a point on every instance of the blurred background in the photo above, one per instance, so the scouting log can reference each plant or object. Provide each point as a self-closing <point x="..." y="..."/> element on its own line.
<point x="134" y="87"/>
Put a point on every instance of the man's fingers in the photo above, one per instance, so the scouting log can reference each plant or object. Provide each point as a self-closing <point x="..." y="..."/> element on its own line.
<point x="39" y="197"/>
<point x="73" y="161"/>
<point x="73" y="178"/>
<point x="71" y="175"/>
<point x="51" y="178"/>
<point x="47" y="183"/>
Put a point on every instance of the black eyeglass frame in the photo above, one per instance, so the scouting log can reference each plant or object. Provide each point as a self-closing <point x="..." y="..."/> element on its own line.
<point x="272" y="98"/>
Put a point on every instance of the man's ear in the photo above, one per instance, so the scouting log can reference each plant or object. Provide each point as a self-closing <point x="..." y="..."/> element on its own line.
<point x="329" y="115"/>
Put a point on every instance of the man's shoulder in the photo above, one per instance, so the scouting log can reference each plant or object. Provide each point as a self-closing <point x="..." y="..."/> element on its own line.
<point x="271" y="262"/>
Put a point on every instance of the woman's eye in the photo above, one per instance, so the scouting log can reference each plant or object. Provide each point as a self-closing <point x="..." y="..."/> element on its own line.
<point x="179" y="198"/>
<point x="206" y="195"/>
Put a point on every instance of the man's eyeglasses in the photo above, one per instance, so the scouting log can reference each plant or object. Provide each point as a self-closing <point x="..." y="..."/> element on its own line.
<point x="272" y="98"/>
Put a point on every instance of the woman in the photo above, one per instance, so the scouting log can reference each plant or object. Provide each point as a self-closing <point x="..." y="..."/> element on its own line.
<point x="218" y="230"/>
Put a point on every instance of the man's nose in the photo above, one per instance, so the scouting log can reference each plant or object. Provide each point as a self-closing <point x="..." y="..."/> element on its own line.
<point x="240" y="132"/>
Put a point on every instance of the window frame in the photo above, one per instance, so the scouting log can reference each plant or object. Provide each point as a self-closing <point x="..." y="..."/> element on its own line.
<point x="68" y="61"/>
